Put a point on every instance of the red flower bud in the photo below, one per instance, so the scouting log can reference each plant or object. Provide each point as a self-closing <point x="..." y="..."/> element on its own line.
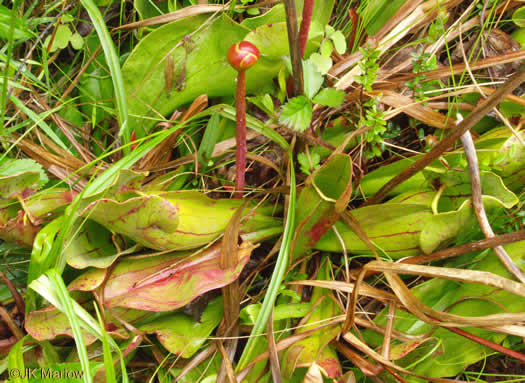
<point x="243" y="55"/>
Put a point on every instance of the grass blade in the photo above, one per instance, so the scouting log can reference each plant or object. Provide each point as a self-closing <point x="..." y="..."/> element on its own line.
<point x="55" y="291"/>
<point x="277" y="277"/>
<point x="109" y="368"/>
<point x="52" y="288"/>
<point x="15" y="361"/>
<point x="114" y="67"/>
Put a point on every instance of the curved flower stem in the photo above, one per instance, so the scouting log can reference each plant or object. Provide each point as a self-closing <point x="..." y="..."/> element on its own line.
<point x="240" y="137"/>
<point x="308" y="10"/>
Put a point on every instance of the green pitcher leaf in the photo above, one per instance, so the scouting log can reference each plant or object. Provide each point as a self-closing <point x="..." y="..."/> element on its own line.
<point x="89" y="281"/>
<point x="395" y="230"/>
<point x="315" y="348"/>
<point x="174" y="220"/>
<point x="194" y="56"/>
<point x="275" y="15"/>
<point x="320" y="17"/>
<point x="49" y="322"/>
<point x="416" y="197"/>
<point x="444" y="227"/>
<point x="400" y="350"/>
<point x="21" y="221"/>
<point x="458" y="189"/>
<point x="317" y="205"/>
<point x="498" y="151"/>
<point x="124" y="186"/>
<point x="466" y="299"/>
<point x="19" y="179"/>
<point x="44" y="205"/>
<point x="16" y="228"/>
<point x="147" y="220"/>
<point x="271" y="40"/>
<point x="182" y="335"/>
<point x="92" y="246"/>
<point x="375" y="180"/>
<point x="167" y="282"/>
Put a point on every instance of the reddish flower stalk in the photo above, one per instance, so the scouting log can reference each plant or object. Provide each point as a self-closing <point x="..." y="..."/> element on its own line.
<point x="240" y="138"/>
<point x="241" y="56"/>
<point x="308" y="10"/>
<point x="133" y="139"/>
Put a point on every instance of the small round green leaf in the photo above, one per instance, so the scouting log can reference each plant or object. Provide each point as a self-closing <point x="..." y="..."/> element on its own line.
<point x="339" y="41"/>
<point x="77" y="42"/>
<point x="322" y="63"/>
<point x="326" y="48"/>
<point x="519" y="17"/>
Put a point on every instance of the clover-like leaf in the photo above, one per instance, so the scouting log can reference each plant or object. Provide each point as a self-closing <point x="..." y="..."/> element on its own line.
<point x="326" y="48"/>
<point x="77" y="42"/>
<point x="518" y="17"/>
